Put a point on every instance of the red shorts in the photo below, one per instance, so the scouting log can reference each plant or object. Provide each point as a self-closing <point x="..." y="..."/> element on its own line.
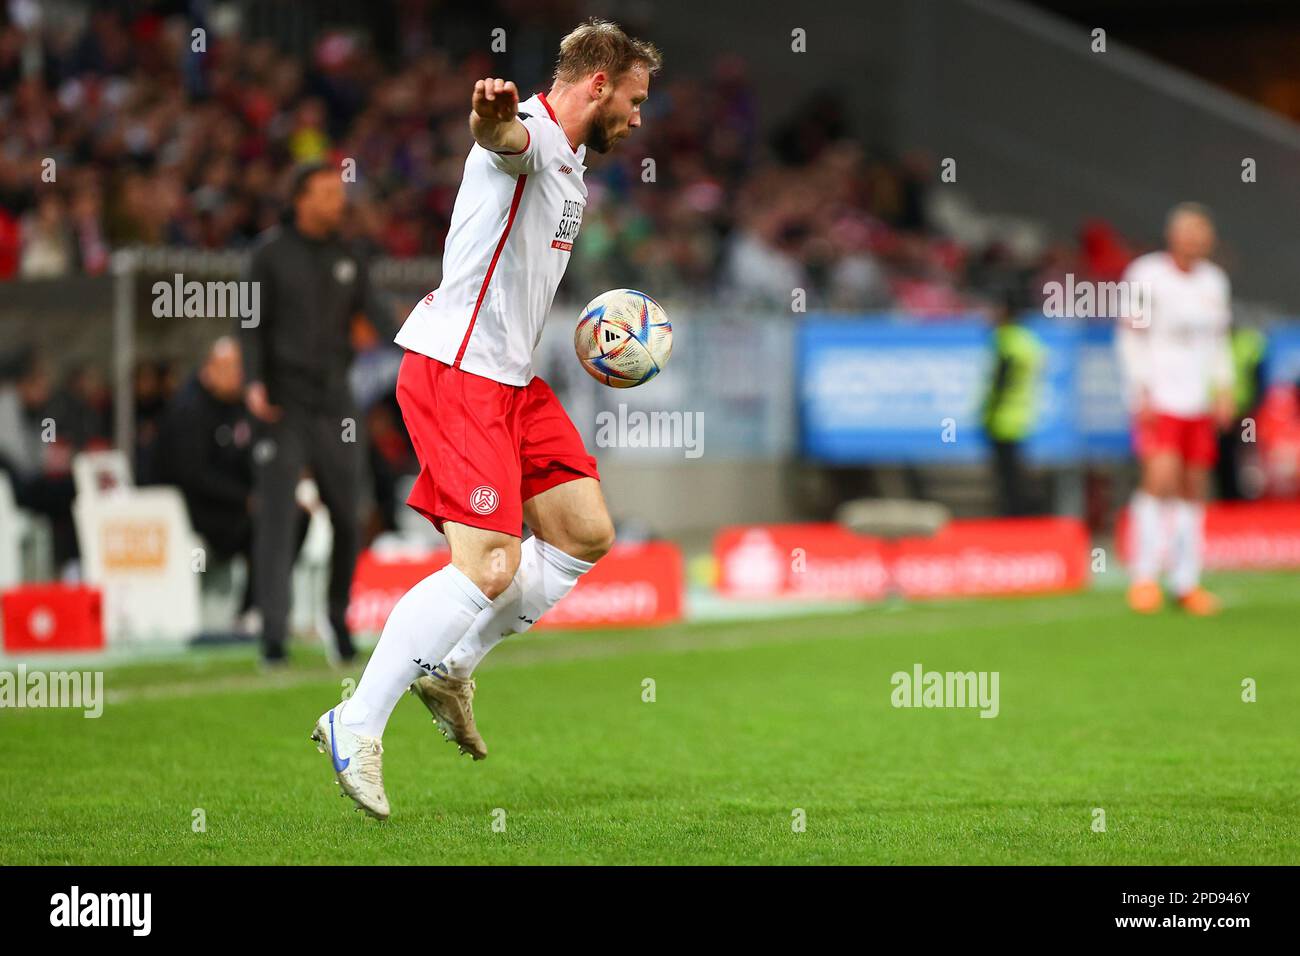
<point x="484" y="448"/>
<point x="1194" y="440"/>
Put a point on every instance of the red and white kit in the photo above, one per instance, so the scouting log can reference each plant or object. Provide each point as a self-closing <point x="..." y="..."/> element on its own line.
<point x="1174" y="350"/>
<point x="488" y="433"/>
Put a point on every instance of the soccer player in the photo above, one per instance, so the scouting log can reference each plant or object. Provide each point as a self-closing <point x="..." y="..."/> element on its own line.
<point x="495" y="446"/>
<point x="1178" y="368"/>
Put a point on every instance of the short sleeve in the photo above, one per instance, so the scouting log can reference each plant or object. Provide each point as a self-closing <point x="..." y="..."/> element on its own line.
<point x="542" y="147"/>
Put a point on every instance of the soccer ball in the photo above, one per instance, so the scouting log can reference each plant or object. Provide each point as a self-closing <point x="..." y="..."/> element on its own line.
<point x="623" y="338"/>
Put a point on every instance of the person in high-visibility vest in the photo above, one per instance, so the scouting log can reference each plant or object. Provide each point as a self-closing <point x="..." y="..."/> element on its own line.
<point x="1248" y="346"/>
<point x="1011" y="407"/>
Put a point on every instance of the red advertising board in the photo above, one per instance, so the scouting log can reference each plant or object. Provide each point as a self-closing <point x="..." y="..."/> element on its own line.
<point x="799" y="560"/>
<point x="42" y="618"/>
<point x="1241" y="535"/>
<point x="995" y="556"/>
<point x="633" y="585"/>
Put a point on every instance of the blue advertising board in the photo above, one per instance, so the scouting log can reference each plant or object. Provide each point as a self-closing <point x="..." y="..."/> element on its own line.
<point x="1282" y="361"/>
<point x="881" y="389"/>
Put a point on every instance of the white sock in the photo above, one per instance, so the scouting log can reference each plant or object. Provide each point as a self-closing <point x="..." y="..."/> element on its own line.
<point x="1189" y="545"/>
<point x="1147" y="535"/>
<point x="426" y="623"/>
<point x="545" y="575"/>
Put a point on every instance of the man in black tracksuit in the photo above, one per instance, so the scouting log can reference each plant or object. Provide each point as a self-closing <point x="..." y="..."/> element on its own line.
<point x="296" y="358"/>
<point x="205" y="448"/>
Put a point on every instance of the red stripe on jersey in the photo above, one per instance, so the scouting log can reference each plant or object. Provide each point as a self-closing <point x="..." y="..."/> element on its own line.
<point x="505" y="234"/>
<point x="542" y="97"/>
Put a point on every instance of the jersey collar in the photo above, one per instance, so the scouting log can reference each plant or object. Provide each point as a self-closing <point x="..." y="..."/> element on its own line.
<point x="551" y="113"/>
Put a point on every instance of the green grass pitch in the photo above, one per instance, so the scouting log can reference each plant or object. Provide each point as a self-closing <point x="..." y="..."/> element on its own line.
<point x="1141" y="717"/>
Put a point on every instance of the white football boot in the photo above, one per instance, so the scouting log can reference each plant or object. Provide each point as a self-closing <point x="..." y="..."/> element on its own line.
<point x="358" y="762"/>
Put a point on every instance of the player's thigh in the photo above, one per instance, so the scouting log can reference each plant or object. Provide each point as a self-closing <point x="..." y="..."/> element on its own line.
<point x="1162" y="473"/>
<point x="572" y="516"/>
<point x="488" y="558"/>
<point x="465" y="429"/>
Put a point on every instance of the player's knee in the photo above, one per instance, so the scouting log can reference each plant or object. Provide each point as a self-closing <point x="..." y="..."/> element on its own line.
<point x="1159" y="489"/>
<point x="491" y="570"/>
<point x="502" y="564"/>
<point x="596" y="540"/>
<point x="1161" y="479"/>
<point x="494" y="583"/>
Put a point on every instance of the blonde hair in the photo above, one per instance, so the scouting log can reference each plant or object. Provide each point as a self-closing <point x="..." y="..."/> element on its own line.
<point x="1189" y="209"/>
<point x="601" y="46"/>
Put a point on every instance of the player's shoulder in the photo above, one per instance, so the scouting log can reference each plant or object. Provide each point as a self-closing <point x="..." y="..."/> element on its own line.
<point x="541" y="129"/>
<point x="532" y="108"/>
<point x="267" y="242"/>
<point x="1149" y="263"/>
<point x="1214" y="272"/>
<point x="537" y="119"/>
<point x="271" y="236"/>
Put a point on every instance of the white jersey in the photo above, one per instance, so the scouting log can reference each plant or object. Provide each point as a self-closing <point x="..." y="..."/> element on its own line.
<point x="1174" y="346"/>
<point x="512" y="229"/>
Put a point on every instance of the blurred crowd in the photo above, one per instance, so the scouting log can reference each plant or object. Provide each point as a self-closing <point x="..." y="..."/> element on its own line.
<point x="116" y="131"/>
<point x="45" y="419"/>
<point x="118" y="127"/>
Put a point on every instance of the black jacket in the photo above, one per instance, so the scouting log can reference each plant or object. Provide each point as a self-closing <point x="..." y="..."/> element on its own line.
<point x="205" y="448"/>
<point x="309" y="289"/>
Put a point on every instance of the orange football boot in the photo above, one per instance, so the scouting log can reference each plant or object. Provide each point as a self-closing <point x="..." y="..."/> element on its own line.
<point x="1145" y="597"/>
<point x="1200" y="602"/>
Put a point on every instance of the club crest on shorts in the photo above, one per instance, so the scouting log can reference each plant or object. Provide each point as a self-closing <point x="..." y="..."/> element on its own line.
<point x="484" y="499"/>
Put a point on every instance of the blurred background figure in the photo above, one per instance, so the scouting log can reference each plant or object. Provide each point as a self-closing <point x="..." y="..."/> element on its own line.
<point x="1279" y="441"/>
<point x="1010" y="406"/>
<point x="1178" y="368"/>
<point x="205" y="448"/>
<point x="296" y="358"/>
<point x="1249" y="347"/>
<point x="33" y="453"/>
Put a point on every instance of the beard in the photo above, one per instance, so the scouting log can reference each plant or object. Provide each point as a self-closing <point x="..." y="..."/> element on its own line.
<point x="599" y="139"/>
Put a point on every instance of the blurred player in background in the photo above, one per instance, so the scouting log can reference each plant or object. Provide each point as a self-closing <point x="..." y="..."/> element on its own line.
<point x="1176" y="360"/>
<point x="495" y="446"/>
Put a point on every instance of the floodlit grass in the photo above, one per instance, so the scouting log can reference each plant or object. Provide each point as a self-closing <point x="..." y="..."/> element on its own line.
<point x="1142" y="717"/>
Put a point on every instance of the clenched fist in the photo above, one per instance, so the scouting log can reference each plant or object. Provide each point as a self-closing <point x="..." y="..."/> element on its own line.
<point x="496" y="100"/>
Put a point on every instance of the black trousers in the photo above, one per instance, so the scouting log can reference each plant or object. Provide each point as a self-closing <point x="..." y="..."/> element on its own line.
<point x="300" y="440"/>
<point x="229" y="534"/>
<point x="1226" y="470"/>
<point x="1009" y="473"/>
